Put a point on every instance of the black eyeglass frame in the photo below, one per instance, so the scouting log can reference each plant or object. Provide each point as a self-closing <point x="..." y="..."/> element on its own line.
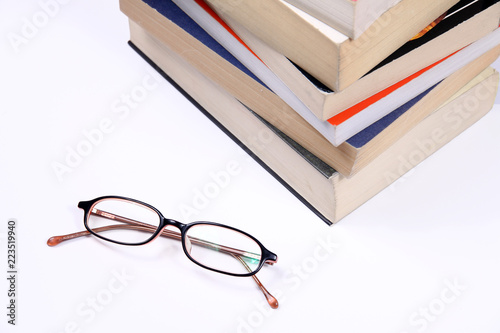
<point x="267" y="257"/>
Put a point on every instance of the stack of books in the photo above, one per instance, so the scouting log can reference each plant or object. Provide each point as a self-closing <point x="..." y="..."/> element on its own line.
<point x="336" y="98"/>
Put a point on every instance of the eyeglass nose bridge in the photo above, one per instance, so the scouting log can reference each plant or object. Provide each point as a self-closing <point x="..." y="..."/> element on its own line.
<point x="166" y="222"/>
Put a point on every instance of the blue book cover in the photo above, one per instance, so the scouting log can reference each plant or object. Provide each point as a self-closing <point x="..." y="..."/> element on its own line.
<point x="173" y="13"/>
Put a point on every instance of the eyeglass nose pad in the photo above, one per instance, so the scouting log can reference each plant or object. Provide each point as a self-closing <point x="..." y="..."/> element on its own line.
<point x="188" y="244"/>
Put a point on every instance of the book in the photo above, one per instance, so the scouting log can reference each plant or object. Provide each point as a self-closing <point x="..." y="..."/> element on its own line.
<point x="329" y="194"/>
<point x="352" y="120"/>
<point x="350" y="17"/>
<point x="332" y="58"/>
<point x="467" y="23"/>
<point x="171" y="26"/>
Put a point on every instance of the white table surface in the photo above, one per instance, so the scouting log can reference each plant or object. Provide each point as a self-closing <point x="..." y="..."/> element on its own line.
<point x="421" y="256"/>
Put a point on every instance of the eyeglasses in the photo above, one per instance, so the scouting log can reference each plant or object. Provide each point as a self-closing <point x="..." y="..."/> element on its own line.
<point x="213" y="246"/>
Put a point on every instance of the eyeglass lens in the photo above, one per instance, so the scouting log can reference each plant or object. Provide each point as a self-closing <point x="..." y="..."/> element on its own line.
<point x="223" y="249"/>
<point x="123" y="221"/>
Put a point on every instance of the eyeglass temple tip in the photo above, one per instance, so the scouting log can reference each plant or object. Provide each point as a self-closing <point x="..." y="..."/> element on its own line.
<point x="273" y="302"/>
<point x="55" y="240"/>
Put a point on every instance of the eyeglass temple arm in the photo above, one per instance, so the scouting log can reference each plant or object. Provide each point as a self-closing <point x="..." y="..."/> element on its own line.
<point x="55" y="240"/>
<point x="140" y="226"/>
<point x="271" y="300"/>
<point x="177" y="235"/>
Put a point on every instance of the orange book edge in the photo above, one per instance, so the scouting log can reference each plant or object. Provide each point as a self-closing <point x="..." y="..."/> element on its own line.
<point x="214" y="15"/>
<point x="355" y="109"/>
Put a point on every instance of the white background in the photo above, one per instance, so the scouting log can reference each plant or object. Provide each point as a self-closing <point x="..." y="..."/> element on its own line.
<point x="378" y="270"/>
